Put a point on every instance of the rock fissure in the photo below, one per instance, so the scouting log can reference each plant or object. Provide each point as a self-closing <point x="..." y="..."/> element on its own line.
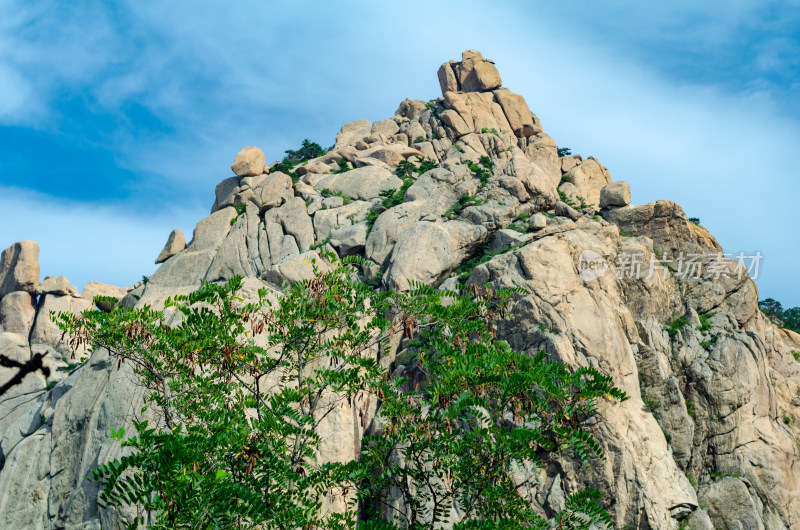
<point x="269" y="225"/>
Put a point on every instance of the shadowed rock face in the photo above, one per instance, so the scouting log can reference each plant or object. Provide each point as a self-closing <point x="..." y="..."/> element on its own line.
<point x="702" y="440"/>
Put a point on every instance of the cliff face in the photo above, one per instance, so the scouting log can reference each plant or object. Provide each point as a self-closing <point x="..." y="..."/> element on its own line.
<point x="709" y="436"/>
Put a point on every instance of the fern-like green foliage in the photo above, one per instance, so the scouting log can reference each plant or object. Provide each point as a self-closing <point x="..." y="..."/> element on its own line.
<point x="483" y="409"/>
<point x="241" y="389"/>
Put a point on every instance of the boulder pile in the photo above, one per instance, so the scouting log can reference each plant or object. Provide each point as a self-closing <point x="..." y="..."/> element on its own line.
<point x="466" y="188"/>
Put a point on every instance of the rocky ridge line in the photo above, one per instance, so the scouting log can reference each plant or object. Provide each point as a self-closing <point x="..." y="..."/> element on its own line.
<point x="709" y="436"/>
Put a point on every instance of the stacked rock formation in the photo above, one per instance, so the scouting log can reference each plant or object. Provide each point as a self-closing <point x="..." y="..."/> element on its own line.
<point x="709" y="437"/>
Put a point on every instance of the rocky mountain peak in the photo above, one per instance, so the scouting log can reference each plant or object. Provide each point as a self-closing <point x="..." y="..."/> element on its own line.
<point x="463" y="189"/>
<point x="472" y="74"/>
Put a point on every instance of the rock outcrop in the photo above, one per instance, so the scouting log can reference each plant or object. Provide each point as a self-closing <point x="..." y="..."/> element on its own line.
<point x="710" y="435"/>
<point x="19" y="268"/>
<point x="175" y="243"/>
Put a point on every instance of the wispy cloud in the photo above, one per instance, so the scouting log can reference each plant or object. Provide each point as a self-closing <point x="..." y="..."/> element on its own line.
<point x="88" y="241"/>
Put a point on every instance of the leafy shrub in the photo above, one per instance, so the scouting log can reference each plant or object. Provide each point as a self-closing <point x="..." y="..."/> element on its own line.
<point x="320" y="244"/>
<point x="566" y="200"/>
<point x="482" y="169"/>
<point x="325" y="192"/>
<point x="481" y="256"/>
<point x="344" y="167"/>
<point x="238" y="452"/>
<point x="463" y="202"/>
<point x="563" y="151"/>
<point x="308" y="150"/>
<point x="425" y="165"/>
<point x="521" y="224"/>
<point x="583" y="204"/>
<point x="705" y="322"/>
<point x="676" y="326"/>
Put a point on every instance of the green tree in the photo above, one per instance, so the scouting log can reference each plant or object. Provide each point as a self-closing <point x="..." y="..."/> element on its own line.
<point x="773" y="309"/>
<point x="307" y="151"/>
<point x="791" y="319"/>
<point x="241" y="389"/>
<point x="456" y="441"/>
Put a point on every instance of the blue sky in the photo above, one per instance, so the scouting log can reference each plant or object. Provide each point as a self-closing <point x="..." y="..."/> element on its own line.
<point x="117" y="120"/>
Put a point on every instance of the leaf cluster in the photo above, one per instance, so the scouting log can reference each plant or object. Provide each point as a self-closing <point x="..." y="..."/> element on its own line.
<point x="308" y="150"/>
<point x="239" y="392"/>
<point x="454" y="442"/>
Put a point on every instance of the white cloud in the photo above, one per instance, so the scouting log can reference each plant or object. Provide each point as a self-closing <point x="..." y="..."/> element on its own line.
<point x="89" y="242"/>
<point x="16" y="99"/>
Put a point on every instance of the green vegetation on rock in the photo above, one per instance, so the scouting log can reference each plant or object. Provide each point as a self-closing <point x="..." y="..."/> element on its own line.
<point x="232" y="450"/>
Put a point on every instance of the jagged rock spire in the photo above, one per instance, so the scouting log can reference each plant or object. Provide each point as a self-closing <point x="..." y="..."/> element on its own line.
<point x="472" y="74"/>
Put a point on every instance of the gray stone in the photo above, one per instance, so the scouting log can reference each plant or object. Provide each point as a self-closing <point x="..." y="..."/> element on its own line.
<point x="447" y="77"/>
<point x="428" y="250"/>
<point x="538" y="221"/>
<point x="45" y="330"/>
<point x="175" y="243"/>
<point x="517" y="113"/>
<point x="615" y="194"/>
<point x="17" y="311"/>
<point x="184" y="272"/>
<point x="95" y="289"/>
<point x="333" y="202"/>
<point x="53" y="285"/>
<point x="15" y="347"/>
<point x="249" y="161"/>
<point x="699" y="520"/>
<point x="296" y="268"/>
<point x="326" y="221"/>
<point x="730" y="503"/>
<point x="19" y="268"/>
<point x="385" y="127"/>
<point x="43" y="482"/>
<point x="362" y="183"/>
<point x="349" y="239"/>
<point x="352" y="132"/>
<point x="224" y="193"/>
<point x="507" y="238"/>
<point x="589" y="178"/>
<point x="273" y="190"/>
<point x="562" y="209"/>
<point x="295" y="221"/>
